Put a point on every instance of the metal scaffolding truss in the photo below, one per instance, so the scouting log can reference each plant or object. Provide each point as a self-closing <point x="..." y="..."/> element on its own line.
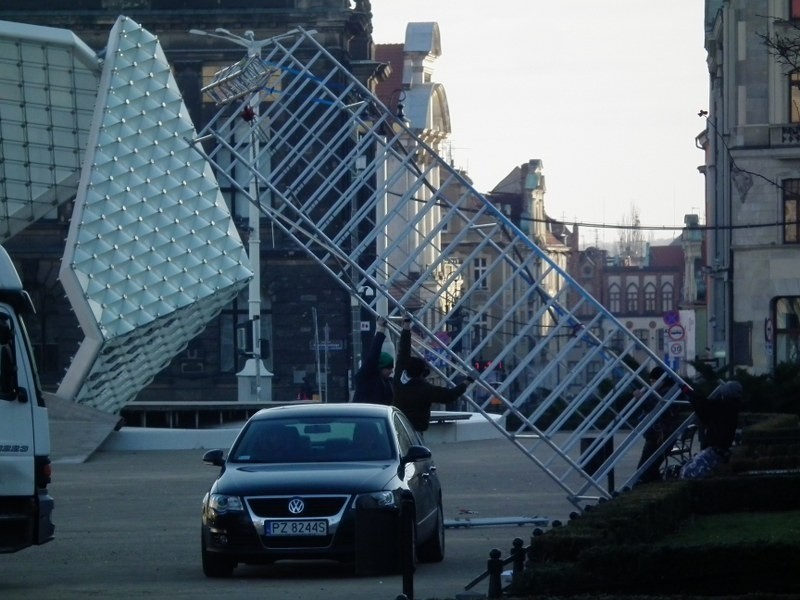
<point x="338" y="174"/>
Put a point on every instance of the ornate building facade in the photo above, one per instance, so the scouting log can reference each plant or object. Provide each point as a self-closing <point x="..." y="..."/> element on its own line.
<point x="752" y="169"/>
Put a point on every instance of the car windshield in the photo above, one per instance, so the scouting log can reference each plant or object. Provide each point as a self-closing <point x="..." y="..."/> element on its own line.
<point x="336" y="439"/>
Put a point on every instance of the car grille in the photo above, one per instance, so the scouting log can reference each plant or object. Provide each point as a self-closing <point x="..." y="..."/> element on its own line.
<point x="278" y="507"/>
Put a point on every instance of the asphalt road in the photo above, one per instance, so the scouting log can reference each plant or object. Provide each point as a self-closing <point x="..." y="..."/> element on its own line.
<point x="128" y="526"/>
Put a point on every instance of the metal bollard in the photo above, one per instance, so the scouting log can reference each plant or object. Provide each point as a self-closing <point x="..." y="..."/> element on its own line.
<point x="529" y="553"/>
<point x="494" y="566"/>
<point x="518" y="554"/>
<point x="407" y="550"/>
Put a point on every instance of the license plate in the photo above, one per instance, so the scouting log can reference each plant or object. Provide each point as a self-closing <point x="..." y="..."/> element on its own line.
<point x="295" y="528"/>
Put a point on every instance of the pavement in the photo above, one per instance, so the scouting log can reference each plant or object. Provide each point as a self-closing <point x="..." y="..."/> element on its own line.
<point x="492" y="494"/>
<point x="77" y="431"/>
<point x="127" y="526"/>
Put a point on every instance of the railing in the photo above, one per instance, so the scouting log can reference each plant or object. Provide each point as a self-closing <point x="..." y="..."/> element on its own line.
<point x="495" y="564"/>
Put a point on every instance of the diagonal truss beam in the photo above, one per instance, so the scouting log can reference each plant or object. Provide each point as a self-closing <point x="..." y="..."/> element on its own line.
<point x="339" y="175"/>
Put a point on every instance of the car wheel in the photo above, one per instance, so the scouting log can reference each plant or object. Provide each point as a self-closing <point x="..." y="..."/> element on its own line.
<point x="216" y="566"/>
<point x="432" y="549"/>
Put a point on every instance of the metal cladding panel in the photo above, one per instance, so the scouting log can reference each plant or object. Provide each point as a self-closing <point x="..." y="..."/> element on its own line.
<point x="9" y="278"/>
<point x="48" y="85"/>
<point x="129" y="363"/>
<point x="152" y="253"/>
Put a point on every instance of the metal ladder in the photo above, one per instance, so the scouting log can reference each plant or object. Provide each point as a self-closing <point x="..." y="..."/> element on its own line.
<point x="338" y="174"/>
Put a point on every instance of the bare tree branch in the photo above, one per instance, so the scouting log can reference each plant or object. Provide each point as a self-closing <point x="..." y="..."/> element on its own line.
<point x="784" y="45"/>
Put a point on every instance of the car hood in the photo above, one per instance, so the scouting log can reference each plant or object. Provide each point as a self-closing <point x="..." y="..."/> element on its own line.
<point x="305" y="478"/>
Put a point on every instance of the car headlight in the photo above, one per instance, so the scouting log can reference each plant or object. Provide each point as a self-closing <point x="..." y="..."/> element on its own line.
<point x="382" y="499"/>
<point x="221" y="503"/>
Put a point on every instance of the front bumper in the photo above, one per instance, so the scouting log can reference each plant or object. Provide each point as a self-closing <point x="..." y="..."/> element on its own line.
<point x="353" y="534"/>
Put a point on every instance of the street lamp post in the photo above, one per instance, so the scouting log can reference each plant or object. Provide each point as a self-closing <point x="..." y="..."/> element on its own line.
<point x="254" y="366"/>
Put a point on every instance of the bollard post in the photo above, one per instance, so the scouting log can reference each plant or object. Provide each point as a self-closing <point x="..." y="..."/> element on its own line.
<point x="530" y="553"/>
<point x="518" y="552"/>
<point x="494" y="566"/>
<point x="407" y="550"/>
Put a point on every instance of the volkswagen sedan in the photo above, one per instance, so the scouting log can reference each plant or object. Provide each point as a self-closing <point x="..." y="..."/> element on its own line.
<point x="349" y="482"/>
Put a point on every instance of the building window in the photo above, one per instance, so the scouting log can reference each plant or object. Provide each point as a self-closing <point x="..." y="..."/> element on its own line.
<point x="650" y="298"/>
<point x="479" y="273"/>
<point x="643" y="335"/>
<point x="667" y="297"/>
<point x="479" y="330"/>
<point x="791" y="202"/>
<point x="617" y="342"/>
<point x="632" y="298"/>
<point x="794" y="96"/>
<point x="787" y="330"/>
<point x="614" y="298"/>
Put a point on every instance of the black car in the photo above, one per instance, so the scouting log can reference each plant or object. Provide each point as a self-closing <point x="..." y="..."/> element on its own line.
<point x="323" y="481"/>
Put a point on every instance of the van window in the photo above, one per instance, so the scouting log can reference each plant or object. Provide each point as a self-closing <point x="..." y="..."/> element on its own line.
<point x="8" y="367"/>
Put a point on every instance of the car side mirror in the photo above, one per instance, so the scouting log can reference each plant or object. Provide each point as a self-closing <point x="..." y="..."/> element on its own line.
<point x="214" y="457"/>
<point x="414" y="454"/>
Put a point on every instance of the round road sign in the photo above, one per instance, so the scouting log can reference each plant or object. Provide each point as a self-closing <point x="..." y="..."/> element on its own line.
<point x="676" y="332"/>
<point x="676" y="349"/>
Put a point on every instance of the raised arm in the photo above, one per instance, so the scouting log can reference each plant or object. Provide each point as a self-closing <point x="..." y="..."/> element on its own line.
<point x="403" y="349"/>
<point x="370" y="360"/>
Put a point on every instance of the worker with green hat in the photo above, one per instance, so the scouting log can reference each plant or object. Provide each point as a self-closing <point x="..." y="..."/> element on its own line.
<point x="373" y="380"/>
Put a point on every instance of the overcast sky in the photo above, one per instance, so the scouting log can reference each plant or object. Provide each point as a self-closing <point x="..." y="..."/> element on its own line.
<point x="605" y="92"/>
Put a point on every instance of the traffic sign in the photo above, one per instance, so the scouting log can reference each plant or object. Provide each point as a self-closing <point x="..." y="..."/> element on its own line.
<point x="672" y="317"/>
<point x="676" y="332"/>
<point x="676" y="349"/>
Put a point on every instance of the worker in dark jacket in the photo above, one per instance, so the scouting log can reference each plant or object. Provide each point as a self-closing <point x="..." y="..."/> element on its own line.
<point x="373" y="380"/>
<point x="718" y="416"/>
<point x="655" y="435"/>
<point x="412" y="393"/>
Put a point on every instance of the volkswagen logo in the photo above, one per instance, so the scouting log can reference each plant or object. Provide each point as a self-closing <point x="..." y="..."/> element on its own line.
<point x="296" y="506"/>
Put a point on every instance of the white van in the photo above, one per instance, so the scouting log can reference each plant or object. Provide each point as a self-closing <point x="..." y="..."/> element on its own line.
<point x="25" y="505"/>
